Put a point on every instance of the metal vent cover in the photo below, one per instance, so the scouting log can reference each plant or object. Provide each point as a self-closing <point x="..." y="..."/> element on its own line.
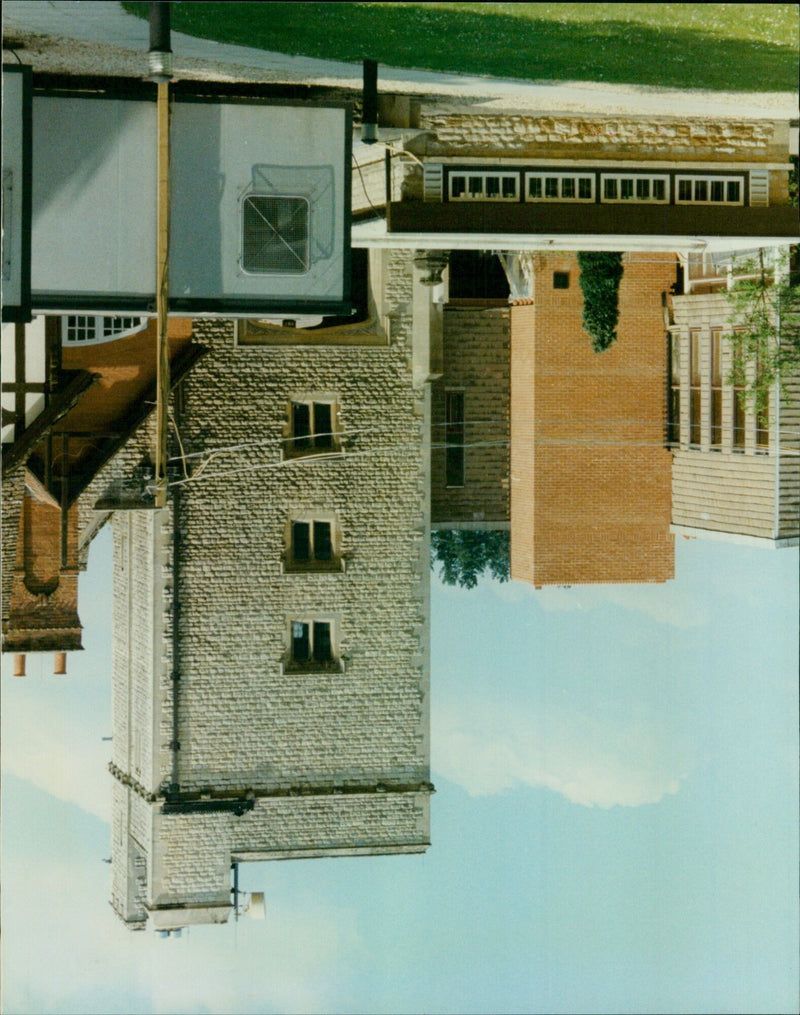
<point x="275" y="234"/>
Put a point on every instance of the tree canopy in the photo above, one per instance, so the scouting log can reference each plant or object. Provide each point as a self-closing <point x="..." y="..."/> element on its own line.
<point x="765" y="314"/>
<point x="464" y="555"/>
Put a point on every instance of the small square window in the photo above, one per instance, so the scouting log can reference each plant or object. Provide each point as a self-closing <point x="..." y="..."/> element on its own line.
<point x="311" y="647"/>
<point x="561" y="280"/>
<point x="610" y="190"/>
<point x="568" y="188"/>
<point x="458" y="185"/>
<point x="585" y="188"/>
<point x="312" y="546"/>
<point x="312" y="428"/>
<point x="535" y="187"/>
<point x="551" y="186"/>
<point x="509" y="187"/>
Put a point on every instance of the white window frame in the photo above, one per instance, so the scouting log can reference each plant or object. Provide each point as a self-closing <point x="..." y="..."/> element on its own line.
<point x="724" y="180"/>
<point x="483" y="174"/>
<point x="96" y="324"/>
<point x="634" y="177"/>
<point x="575" y="176"/>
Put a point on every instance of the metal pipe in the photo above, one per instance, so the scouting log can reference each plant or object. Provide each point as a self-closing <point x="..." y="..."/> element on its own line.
<point x="369" y="115"/>
<point x="159" y="57"/>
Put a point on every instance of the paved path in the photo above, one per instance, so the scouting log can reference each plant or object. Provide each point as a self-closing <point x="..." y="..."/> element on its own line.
<point x="94" y="37"/>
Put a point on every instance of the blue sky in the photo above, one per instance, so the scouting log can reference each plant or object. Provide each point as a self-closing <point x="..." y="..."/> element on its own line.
<point x="614" y="828"/>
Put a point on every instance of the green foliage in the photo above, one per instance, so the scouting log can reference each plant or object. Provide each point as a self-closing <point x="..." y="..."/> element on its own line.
<point x="727" y="47"/>
<point x="464" y="555"/>
<point x="765" y="316"/>
<point x="601" y="272"/>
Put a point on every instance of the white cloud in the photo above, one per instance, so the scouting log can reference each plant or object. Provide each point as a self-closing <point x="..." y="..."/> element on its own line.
<point x="65" y="950"/>
<point x="610" y="757"/>
<point x="54" y="740"/>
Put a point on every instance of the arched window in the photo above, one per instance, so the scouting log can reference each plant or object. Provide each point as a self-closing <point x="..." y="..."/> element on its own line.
<point x="80" y="329"/>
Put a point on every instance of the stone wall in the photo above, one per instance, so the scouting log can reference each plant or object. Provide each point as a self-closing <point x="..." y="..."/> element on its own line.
<point x="517" y="135"/>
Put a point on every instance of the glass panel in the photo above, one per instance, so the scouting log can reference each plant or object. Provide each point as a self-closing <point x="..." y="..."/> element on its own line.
<point x="717" y="190"/>
<point x="738" y="418"/>
<point x="694" y="416"/>
<point x="534" y="187"/>
<point x="734" y="191"/>
<point x="301" y="644"/>
<point x="716" y="417"/>
<point x="457" y="186"/>
<point x="585" y="188"/>
<point x="322" y="642"/>
<point x="626" y="189"/>
<point x="323" y="425"/>
<point x="568" y="187"/>
<point x="659" y="190"/>
<point x="694" y="357"/>
<point x="509" y="186"/>
<point x="684" y="190"/>
<point x="454" y="438"/>
<point x="301" y="542"/>
<point x="643" y="190"/>
<point x="610" y="190"/>
<point x="551" y="186"/>
<point x="700" y="190"/>
<point x="475" y="186"/>
<point x="492" y="186"/>
<point x="322" y="541"/>
<point x="301" y="424"/>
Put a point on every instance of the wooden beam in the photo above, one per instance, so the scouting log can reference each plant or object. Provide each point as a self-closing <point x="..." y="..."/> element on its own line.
<point x="162" y="296"/>
<point x="61" y="404"/>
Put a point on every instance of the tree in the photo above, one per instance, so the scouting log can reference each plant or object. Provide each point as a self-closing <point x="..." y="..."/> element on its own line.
<point x="466" y="554"/>
<point x="600" y="276"/>
<point x="765" y="315"/>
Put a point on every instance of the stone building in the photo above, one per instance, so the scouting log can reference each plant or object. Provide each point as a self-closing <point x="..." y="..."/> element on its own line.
<point x="270" y="665"/>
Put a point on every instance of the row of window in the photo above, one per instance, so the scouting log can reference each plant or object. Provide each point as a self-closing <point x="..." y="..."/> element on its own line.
<point x="588" y="187"/>
<point x="86" y="329"/>
<point x="715" y="381"/>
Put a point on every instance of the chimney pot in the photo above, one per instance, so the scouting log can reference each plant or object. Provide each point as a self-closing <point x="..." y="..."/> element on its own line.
<point x="59" y="664"/>
<point x="19" y="665"/>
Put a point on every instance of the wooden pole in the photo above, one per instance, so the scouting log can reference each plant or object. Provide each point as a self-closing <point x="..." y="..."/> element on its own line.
<point x="162" y="290"/>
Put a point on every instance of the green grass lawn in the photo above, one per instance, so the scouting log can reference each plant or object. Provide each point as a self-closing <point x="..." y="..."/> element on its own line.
<point x="721" y="47"/>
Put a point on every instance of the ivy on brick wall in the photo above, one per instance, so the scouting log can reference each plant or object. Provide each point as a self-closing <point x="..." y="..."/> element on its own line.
<point x="600" y="276"/>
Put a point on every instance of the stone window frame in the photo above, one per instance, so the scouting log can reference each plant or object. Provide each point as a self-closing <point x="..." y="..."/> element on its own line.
<point x="291" y="448"/>
<point x="310" y="618"/>
<point x="334" y="564"/>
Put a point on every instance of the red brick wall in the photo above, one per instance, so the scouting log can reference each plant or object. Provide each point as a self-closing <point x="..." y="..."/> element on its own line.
<point x="590" y="477"/>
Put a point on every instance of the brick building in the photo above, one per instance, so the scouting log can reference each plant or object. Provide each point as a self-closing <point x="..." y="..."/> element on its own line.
<point x="270" y="668"/>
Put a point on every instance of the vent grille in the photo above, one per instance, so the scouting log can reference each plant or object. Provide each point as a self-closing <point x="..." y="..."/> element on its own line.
<point x="759" y="187"/>
<point x="275" y="235"/>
